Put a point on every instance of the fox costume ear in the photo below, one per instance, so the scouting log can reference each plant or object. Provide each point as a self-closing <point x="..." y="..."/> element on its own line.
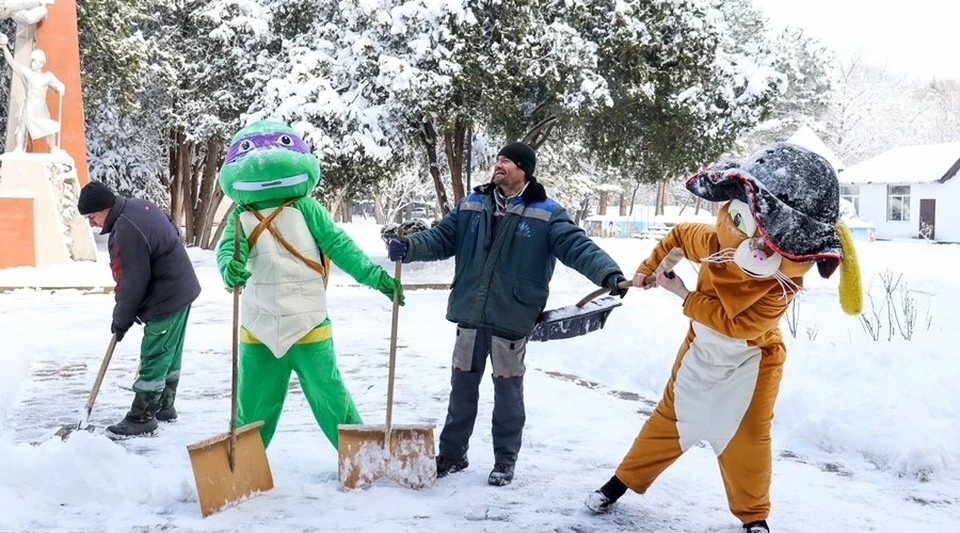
<point x="851" y="285"/>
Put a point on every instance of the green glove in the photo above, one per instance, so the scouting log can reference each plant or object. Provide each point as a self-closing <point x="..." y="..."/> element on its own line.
<point x="236" y="274"/>
<point x="388" y="284"/>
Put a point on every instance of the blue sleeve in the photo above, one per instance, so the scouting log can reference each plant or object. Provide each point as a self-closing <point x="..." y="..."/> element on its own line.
<point x="571" y="245"/>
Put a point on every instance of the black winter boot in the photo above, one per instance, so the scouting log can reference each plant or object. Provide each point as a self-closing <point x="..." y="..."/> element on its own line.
<point x="448" y="466"/>
<point x="163" y="410"/>
<point x="758" y="526"/>
<point x="139" y="422"/>
<point x="501" y="475"/>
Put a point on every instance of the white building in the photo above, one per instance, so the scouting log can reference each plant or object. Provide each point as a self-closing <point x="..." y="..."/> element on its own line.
<point x="908" y="192"/>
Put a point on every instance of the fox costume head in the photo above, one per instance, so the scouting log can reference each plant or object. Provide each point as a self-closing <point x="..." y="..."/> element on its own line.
<point x="782" y="216"/>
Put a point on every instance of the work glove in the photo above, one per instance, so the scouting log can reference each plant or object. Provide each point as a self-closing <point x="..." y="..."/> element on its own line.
<point x="119" y="331"/>
<point x="612" y="282"/>
<point x="397" y="249"/>
<point x="388" y="284"/>
<point x="236" y="274"/>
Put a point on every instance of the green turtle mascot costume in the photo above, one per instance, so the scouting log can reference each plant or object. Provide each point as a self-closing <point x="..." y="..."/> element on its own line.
<point x="287" y="240"/>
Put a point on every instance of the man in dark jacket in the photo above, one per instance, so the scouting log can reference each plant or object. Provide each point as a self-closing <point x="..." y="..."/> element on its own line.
<point x="156" y="285"/>
<point x="506" y="237"/>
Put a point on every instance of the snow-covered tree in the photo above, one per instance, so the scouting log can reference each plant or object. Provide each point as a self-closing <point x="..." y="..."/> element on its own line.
<point x="876" y="109"/>
<point x="370" y="79"/>
<point x="171" y="101"/>
<point x="681" y="90"/>
<point x="809" y="69"/>
<point x="113" y="53"/>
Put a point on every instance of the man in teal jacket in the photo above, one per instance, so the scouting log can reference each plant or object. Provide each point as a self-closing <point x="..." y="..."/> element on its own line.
<point x="506" y="237"/>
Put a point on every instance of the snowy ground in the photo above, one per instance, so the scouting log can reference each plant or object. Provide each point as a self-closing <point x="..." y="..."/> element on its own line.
<point x="865" y="433"/>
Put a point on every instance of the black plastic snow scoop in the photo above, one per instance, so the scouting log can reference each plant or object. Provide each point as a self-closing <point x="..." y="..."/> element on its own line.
<point x="83" y="424"/>
<point x="591" y="313"/>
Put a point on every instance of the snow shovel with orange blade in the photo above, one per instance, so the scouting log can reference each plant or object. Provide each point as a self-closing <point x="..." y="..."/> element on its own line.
<point x="404" y="453"/>
<point x="231" y="466"/>
<point x="591" y="313"/>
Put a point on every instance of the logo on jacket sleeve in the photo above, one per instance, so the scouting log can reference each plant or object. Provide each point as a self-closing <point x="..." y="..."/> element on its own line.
<point x="524" y="229"/>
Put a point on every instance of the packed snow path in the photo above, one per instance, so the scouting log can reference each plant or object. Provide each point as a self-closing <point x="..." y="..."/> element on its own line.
<point x="577" y="430"/>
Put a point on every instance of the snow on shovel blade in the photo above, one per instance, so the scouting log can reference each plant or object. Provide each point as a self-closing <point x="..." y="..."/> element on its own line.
<point x="365" y="458"/>
<point x="573" y="321"/>
<point x="412" y="461"/>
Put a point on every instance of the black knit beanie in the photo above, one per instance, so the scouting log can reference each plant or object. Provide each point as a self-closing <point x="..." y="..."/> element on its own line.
<point x="95" y="196"/>
<point x="522" y="155"/>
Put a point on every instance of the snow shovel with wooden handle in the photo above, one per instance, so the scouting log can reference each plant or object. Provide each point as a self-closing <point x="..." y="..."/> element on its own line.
<point x="591" y="313"/>
<point x="231" y="466"/>
<point x="402" y="452"/>
<point x="65" y="431"/>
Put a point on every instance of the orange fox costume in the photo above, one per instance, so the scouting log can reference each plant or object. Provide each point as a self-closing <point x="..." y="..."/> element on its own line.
<point x="726" y="376"/>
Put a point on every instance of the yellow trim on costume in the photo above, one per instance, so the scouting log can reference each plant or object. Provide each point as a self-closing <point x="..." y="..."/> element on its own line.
<point x="317" y="334"/>
<point x="851" y="286"/>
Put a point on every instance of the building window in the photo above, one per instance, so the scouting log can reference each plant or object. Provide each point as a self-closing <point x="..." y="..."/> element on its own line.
<point x="851" y="193"/>
<point x="898" y="203"/>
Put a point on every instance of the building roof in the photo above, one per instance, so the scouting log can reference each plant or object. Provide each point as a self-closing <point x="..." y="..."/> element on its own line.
<point x="926" y="163"/>
<point x="808" y="139"/>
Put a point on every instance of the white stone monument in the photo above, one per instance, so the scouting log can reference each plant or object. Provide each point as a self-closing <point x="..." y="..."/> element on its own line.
<point x="34" y="116"/>
<point x="61" y="233"/>
<point x="27" y="14"/>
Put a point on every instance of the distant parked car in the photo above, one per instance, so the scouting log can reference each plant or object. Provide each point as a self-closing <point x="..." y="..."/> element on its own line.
<point x="420" y="212"/>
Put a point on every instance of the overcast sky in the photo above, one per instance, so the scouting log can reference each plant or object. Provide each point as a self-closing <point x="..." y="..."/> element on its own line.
<point x="920" y="37"/>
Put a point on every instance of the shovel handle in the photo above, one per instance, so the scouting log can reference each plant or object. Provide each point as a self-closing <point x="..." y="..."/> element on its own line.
<point x="96" y="384"/>
<point x="232" y="456"/>
<point x="666" y="265"/>
<point x="393" y="348"/>
<point x="623" y="285"/>
<point x="600" y="292"/>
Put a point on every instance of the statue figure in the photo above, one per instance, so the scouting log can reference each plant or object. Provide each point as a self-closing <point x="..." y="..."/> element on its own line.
<point x="34" y="116"/>
<point x="27" y="12"/>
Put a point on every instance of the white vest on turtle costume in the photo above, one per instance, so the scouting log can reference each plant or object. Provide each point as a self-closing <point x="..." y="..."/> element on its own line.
<point x="284" y="298"/>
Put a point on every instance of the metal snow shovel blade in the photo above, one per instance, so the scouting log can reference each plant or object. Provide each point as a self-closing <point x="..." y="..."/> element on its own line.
<point x="83" y="424"/>
<point x="590" y="313"/>
<point x="403" y="453"/>
<point x="231" y="466"/>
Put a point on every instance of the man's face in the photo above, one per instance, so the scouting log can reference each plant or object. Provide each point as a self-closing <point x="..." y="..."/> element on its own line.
<point x="97" y="218"/>
<point x="507" y="174"/>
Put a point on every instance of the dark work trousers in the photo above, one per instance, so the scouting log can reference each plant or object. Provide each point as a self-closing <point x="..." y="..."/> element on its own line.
<point x="469" y="359"/>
